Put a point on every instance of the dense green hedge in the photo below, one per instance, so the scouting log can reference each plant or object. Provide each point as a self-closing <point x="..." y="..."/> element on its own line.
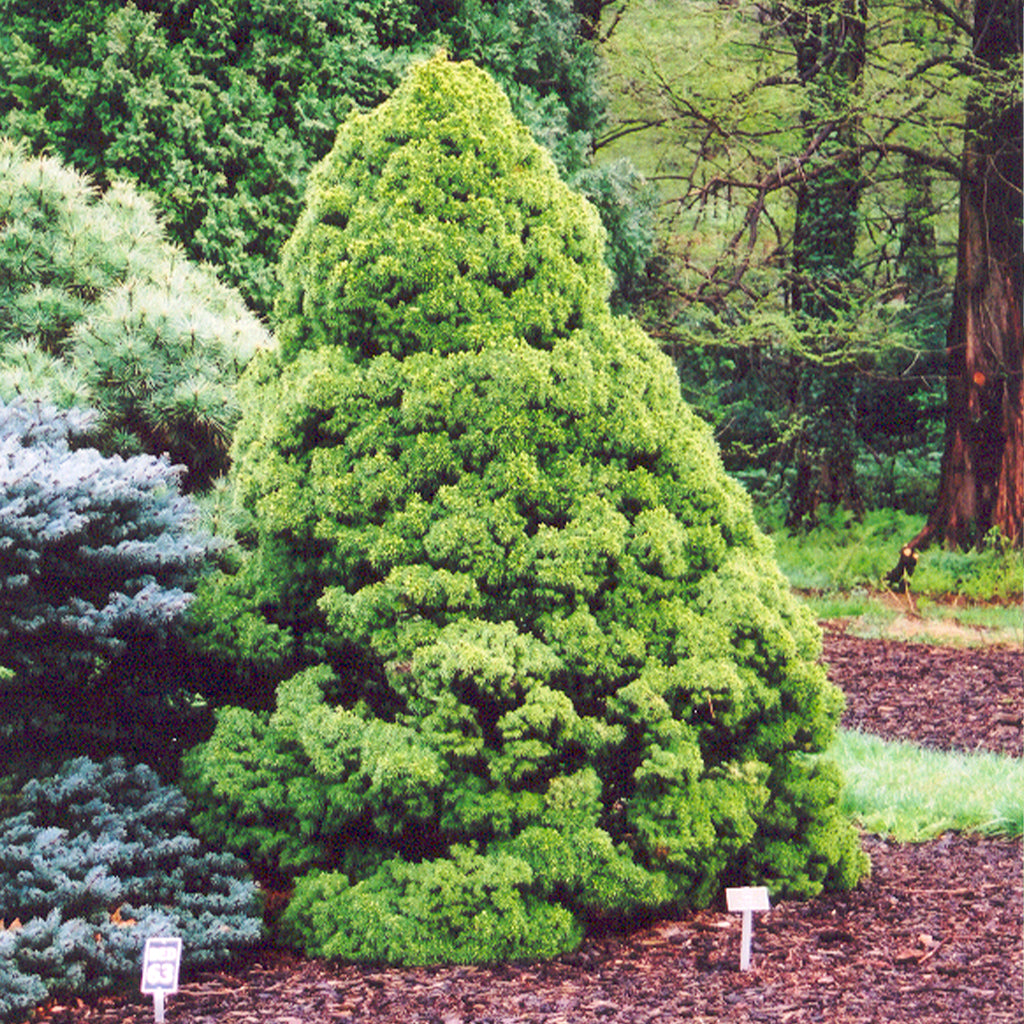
<point x="538" y="666"/>
<point x="219" y="108"/>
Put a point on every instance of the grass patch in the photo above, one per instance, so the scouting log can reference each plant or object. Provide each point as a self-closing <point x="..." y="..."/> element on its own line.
<point x="843" y="555"/>
<point x="1004" y="617"/>
<point x="912" y="793"/>
<point x="887" y="616"/>
<point x="958" y="597"/>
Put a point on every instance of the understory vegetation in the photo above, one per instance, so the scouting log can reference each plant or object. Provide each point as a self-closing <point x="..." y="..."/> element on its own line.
<point x="840" y="568"/>
<point x="846" y="552"/>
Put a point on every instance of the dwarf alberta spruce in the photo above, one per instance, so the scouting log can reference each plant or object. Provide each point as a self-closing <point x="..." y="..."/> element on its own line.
<point x="540" y="669"/>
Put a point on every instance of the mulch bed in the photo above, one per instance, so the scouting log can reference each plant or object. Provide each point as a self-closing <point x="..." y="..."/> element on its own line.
<point x="933" y="936"/>
<point x="946" y="697"/>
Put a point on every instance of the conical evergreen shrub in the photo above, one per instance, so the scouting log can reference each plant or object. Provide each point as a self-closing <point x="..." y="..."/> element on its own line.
<point x="549" y="672"/>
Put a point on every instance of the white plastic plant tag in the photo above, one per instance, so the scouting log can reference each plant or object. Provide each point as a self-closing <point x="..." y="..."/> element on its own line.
<point x="745" y="901"/>
<point x="161" y="960"/>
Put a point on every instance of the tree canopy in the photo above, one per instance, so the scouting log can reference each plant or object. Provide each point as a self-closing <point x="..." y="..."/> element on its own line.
<point x="807" y="156"/>
<point x="220" y="108"/>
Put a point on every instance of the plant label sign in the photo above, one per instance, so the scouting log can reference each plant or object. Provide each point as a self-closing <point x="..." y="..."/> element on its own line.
<point x="160" y="962"/>
<point x="745" y="901"/>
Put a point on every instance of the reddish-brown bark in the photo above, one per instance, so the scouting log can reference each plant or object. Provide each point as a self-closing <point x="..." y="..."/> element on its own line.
<point x="982" y="477"/>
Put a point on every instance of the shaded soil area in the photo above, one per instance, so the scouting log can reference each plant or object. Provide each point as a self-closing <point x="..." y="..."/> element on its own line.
<point x="933" y="936"/>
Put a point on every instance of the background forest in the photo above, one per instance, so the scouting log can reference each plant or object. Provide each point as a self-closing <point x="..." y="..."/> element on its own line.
<point x="809" y="174"/>
<point x="814" y="209"/>
<point x="794" y="246"/>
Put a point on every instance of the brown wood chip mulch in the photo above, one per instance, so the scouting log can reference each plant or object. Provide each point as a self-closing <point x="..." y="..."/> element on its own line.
<point x="946" y="697"/>
<point x="934" y="936"/>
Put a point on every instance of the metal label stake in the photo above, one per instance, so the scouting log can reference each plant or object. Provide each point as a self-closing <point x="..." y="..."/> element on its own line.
<point x="746" y="900"/>
<point x="160" y="962"/>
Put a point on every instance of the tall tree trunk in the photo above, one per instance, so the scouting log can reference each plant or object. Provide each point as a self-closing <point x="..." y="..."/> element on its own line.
<point x="829" y="40"/>
<point x="830" y="45"/>
<point x="590" y="12"/>
<point x="982" y="475"/>
<point x="918" y="257"/>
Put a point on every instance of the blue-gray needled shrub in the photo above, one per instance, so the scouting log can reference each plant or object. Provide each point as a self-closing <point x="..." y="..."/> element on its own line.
<point x="98" y="557"/>
<point x="549" y="673"/>
<point x="92" y="861"/>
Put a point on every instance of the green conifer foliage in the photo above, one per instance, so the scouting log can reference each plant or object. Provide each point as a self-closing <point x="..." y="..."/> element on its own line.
<point x="97" y="308"/>
<point x="426" y="233"/>
<point x="220" y="107"/>
<point x="550" y="673"/>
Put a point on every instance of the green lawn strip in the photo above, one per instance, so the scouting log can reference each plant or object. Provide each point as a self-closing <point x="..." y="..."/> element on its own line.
<point x="885" y="616"/>
<point x="911" y="793"/>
